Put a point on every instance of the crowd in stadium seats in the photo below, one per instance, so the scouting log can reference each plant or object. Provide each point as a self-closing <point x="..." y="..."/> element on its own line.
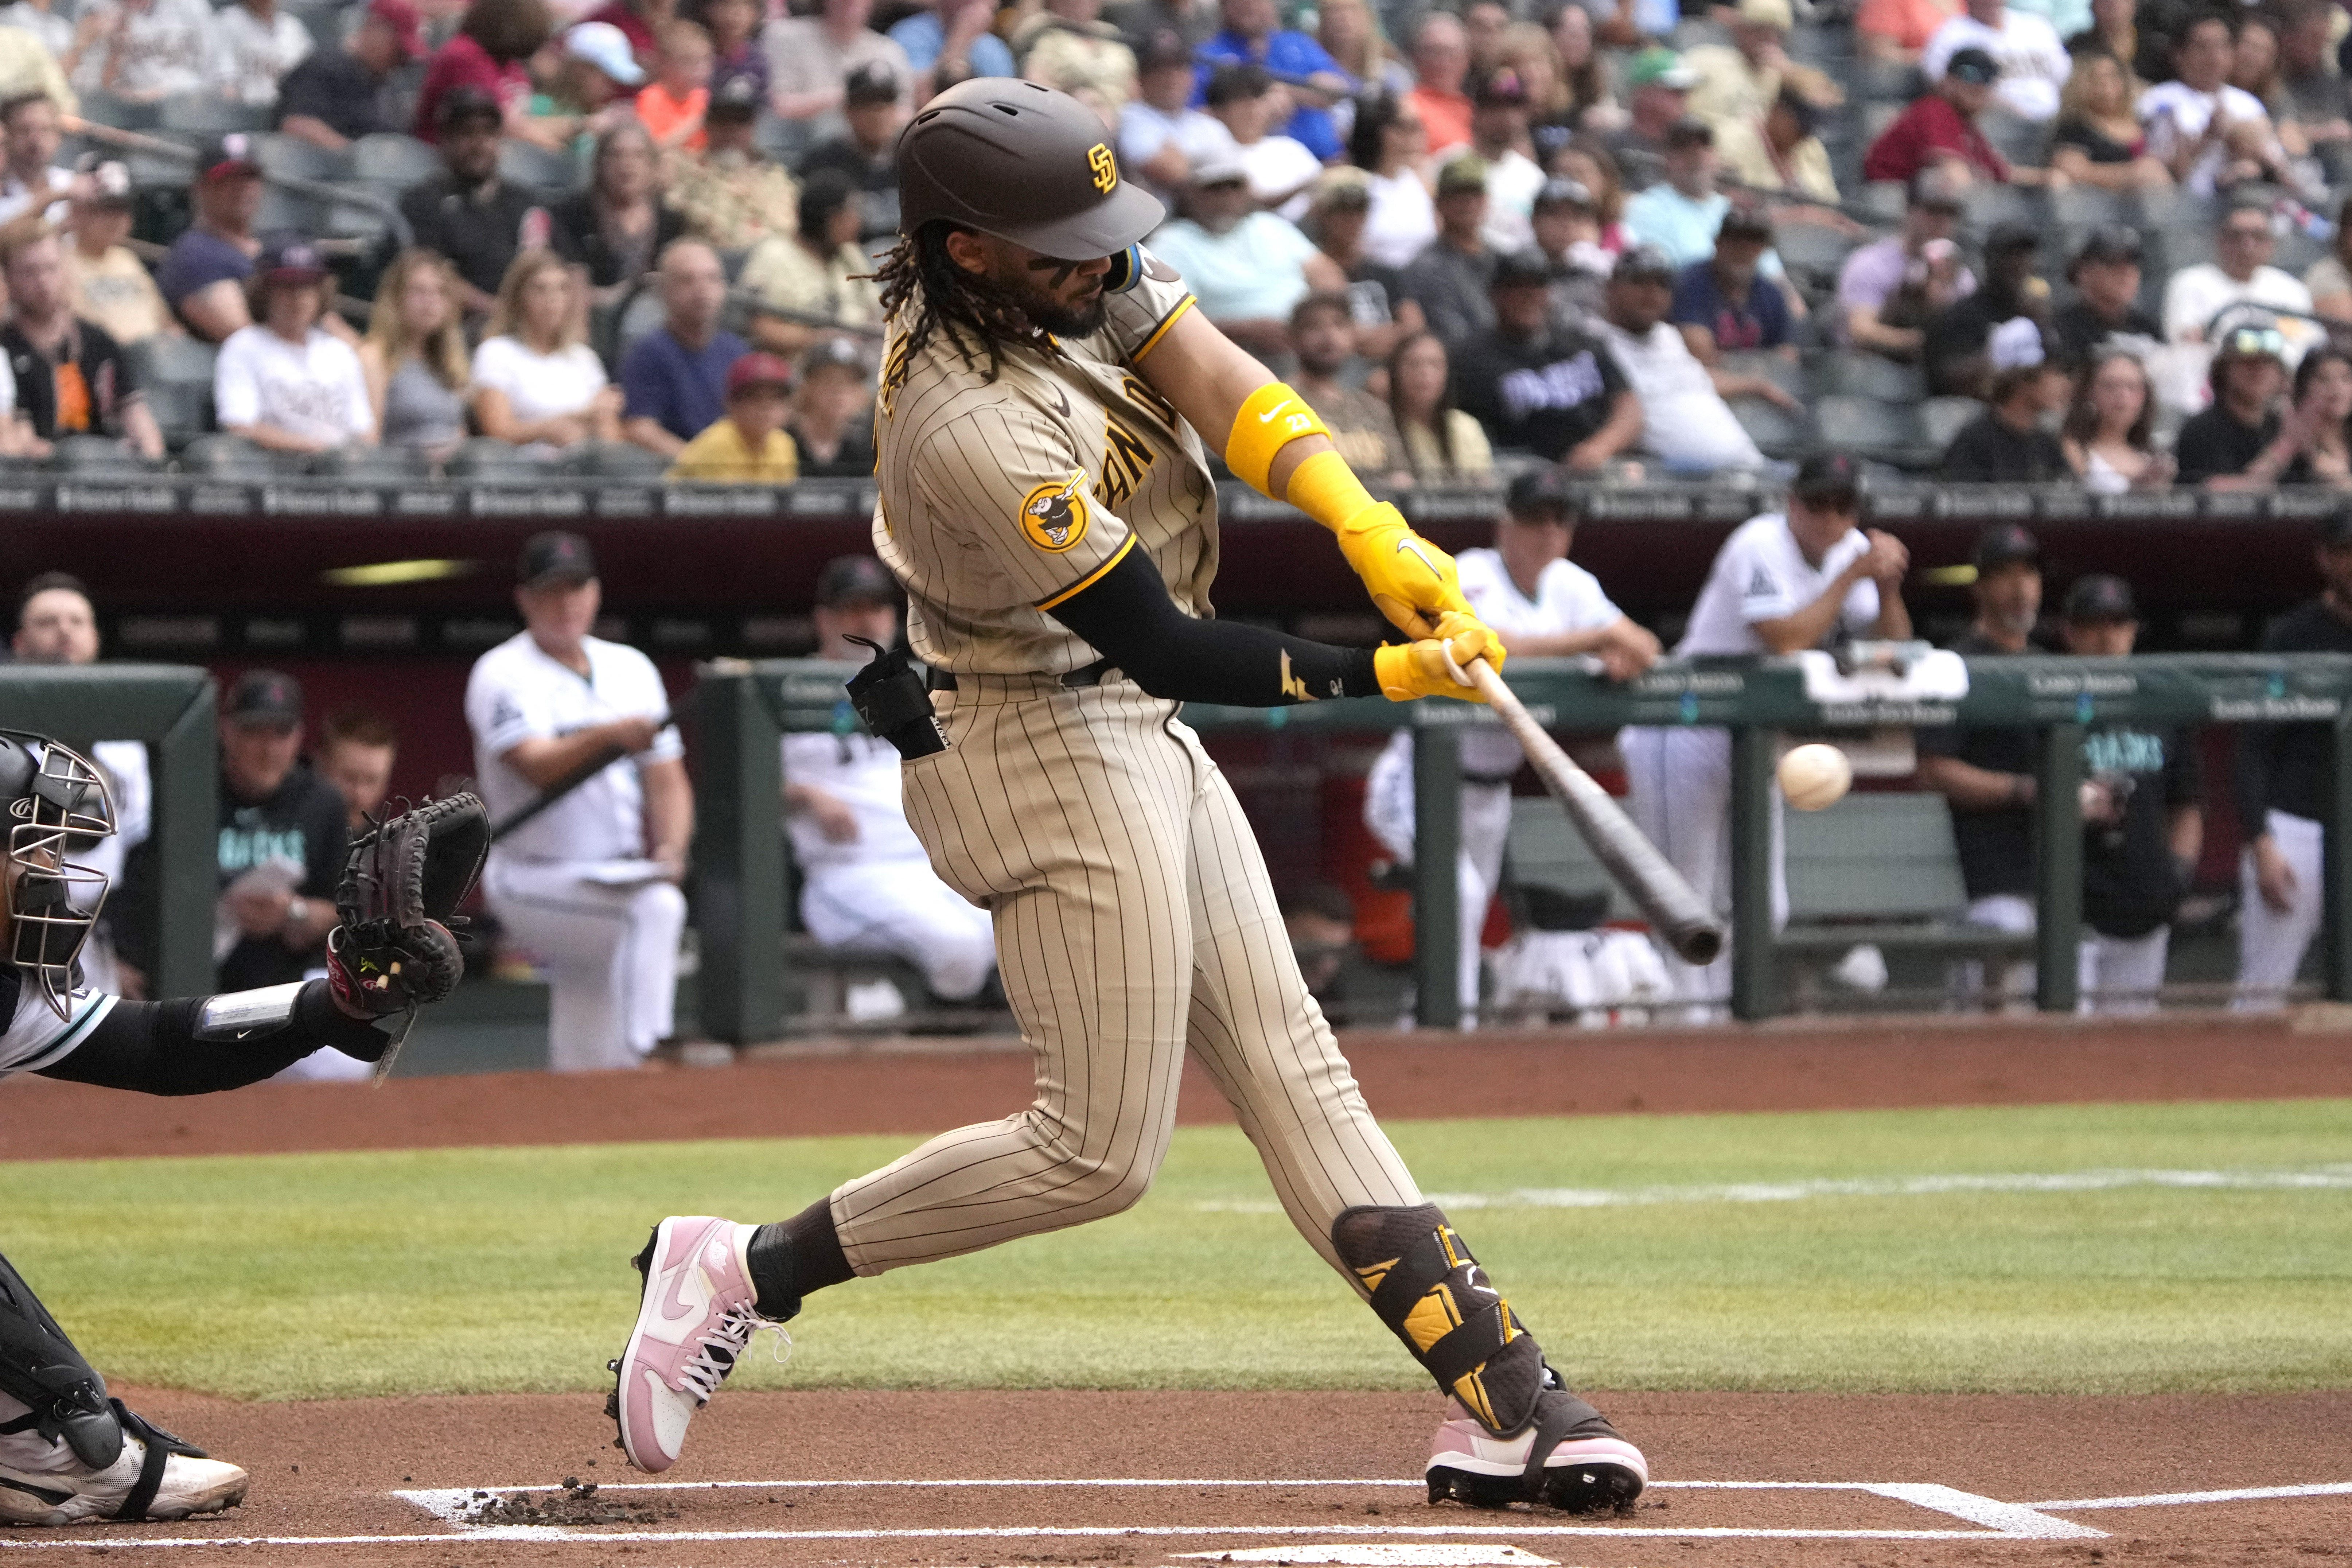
<point x="1627" y="236"/>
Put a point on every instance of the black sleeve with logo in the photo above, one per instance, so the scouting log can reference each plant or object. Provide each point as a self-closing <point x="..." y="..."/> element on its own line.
<point x="2130" y="885"/>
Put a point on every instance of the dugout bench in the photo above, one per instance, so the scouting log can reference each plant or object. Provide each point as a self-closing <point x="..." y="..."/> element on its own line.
<point x="744" y="708"/>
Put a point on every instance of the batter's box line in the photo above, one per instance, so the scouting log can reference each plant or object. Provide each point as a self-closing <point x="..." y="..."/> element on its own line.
<point x="1993" y="1518"/>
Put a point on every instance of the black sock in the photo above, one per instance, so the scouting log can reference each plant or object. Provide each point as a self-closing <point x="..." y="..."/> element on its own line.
<point x="792" y="1258"/>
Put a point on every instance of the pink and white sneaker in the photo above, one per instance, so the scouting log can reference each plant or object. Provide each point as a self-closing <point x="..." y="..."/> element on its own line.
<point x="696" y="1316"/>
<point x="1581" y="1474"/>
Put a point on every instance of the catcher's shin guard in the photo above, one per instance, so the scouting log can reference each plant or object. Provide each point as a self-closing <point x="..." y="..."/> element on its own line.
<point x="65" y="1399"/>
<point x="1428" y="1289"/>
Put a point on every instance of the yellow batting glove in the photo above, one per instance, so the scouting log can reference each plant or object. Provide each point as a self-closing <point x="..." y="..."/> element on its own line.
<point x="1410" y="581"/>
<point x="1433" y="667"/>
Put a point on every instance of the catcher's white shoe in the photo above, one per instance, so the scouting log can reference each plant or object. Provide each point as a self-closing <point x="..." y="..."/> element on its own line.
<point x="44" y="1483"/>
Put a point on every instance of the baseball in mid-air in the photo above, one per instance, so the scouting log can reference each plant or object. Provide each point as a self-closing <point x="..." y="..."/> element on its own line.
<point x="1815" y="777"/>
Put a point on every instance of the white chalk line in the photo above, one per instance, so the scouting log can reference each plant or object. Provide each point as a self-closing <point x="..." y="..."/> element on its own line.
<point x="2174" y="1500"/>
<point x="2305" y="1178"/>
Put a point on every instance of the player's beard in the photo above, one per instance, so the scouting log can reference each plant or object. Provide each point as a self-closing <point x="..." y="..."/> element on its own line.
<point x="1049" y="314"/>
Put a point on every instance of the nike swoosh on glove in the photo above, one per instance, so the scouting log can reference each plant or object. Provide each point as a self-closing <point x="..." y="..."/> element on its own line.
<point x="1433" y="667"/>
<point x="1411" y="581"/>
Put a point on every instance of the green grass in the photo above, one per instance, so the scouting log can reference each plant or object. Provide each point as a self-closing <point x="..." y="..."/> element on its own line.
<point x="289" y="1277"/>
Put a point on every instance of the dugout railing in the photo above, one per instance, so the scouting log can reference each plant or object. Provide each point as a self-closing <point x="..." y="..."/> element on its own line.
<point x="743" y="708"/>
<point x="172" y="709"/>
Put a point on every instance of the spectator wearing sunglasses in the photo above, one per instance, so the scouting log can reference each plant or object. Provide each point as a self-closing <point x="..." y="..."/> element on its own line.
<point x="2240" y="274"/>
<point x="2234" y="443"/>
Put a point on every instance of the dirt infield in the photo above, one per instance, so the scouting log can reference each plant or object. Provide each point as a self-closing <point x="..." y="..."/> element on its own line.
<point x="1746" y="1481"/>
<point x="1795" y="1064"/>
<point x="1924" y="1481"/>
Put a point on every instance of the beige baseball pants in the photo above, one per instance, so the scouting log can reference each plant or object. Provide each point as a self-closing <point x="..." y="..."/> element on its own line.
<point x="1134" y="921"/>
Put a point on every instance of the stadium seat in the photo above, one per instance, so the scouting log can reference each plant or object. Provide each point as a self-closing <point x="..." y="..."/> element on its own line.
<point x="1860" y="373"/>
<point x="209" y="114"/>
<point x="483" y="458"/>
<point x="1943" y="418"/>
<point x="325" y="22"/>
<point x="105" y="109"/>
<point x="1882" y="432"/>
<point x="388" y="158"/>
<point x="1780" y="432"/>
<point x="1884" y="81"/>
<point x="2084" y="206"/>
<point x="229" y="457"/>
<point x="1880" y="202"/>
<point x="371" y="465"/>
<point x="95" y="455"/>
<point x="176" y="372"/>
<point x="1811" y="250"/>
<point x="292" y="158"/>
<point x="615" y="460"/>
<point x="536" y="167"/>
<point x="287" y="212"/>
<point x="1988" y="205"/>
<point x="2019" y="140"/>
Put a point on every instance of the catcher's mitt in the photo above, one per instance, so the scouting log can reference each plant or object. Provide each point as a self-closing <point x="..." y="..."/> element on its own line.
<point x="402" y="881"/>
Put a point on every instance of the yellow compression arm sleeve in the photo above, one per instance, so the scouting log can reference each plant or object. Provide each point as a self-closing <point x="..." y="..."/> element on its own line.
<point x="1269" y="419"/>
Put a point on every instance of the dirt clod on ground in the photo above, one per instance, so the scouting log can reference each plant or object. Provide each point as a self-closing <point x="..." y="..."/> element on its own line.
<point x="572" y="1504"/>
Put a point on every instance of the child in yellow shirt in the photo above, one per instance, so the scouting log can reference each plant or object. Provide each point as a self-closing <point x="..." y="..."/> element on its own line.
<point x="748" y="444"/>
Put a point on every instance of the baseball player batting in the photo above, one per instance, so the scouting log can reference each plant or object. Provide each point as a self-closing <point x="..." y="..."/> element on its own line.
<point x="1047" y="502"/>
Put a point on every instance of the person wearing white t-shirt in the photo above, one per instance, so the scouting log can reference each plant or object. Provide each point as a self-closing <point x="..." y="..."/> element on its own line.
<point x="1161" y="137"/>
<point x="285" y="383"/>
<point x="147" y="51"/>
<point x="1783" y="581"/>
<point x="2033" y="64"/>
<point x="2238" y="274"/>
<point x="2198" y="125"/>
<point x="1686" y="423"/>
<point x="1241" y="99"/>
<point x="588" y="886"/>
<point x="259" y="44"/>
<point x="536" y="380"/>
<point x="34" y="181"/>
<point x="869" y="886"/>
<point x="1542" y="606"/>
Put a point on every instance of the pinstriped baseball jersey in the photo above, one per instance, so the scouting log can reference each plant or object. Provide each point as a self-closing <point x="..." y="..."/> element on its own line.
<point x="999" y="498"/>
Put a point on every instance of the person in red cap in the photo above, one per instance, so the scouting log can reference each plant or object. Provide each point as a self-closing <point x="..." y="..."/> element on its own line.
<point x="747" y="446"/>
<point x="286" y="382"/>
<point x="335" y="97"/>
<point x="202" y="277"/>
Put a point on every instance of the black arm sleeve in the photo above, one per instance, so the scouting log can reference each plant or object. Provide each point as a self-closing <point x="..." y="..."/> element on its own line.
<point x="152" y="1047"/>
<point x="1128" y="615"/>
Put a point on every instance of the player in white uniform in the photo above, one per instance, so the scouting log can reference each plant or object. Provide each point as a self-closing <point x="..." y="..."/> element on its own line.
<point x="1781" y="582"/>
<point x="869" y="886"/>
<point x="589" y="885"/>
<point x="1543" y="606"/>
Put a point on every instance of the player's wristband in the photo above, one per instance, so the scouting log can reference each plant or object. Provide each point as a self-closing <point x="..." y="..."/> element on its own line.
<point x="1270" y="418"/>
<point x="1326" y="490"/>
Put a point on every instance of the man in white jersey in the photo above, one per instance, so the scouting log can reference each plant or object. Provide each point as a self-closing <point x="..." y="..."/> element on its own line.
<point x="1783" y="581"/>
<point x="70" y="1452"/>
<point x="868" y="885"/>
<point x="1543" y="606"/>
<point x="1048" y="392"/>
<point x="589" y="885"/>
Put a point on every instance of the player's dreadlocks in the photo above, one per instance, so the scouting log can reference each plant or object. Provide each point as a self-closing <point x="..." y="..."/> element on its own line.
<point x="975" y="310"/>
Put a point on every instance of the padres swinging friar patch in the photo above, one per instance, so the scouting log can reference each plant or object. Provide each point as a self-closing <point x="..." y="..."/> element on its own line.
<point x="1054" y="516"/>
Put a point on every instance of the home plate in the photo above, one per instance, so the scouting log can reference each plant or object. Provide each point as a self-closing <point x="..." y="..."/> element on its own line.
<point x="1417" y="1555"/>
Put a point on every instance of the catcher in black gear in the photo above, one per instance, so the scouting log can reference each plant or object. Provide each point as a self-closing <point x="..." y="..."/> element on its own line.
<point x="67" y="1450"/>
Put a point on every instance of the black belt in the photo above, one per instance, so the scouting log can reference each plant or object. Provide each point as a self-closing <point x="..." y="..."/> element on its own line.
<point x="1076" y="680"/>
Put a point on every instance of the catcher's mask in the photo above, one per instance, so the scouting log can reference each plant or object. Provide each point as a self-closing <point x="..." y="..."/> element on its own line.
<point x="53" y="800"/>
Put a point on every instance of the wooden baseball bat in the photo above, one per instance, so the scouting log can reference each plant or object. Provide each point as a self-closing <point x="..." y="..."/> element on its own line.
<point x="1676" y="912"/>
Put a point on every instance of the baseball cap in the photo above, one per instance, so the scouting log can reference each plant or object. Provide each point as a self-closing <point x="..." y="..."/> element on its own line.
<point x="2004" y="544"/>
<point x="1778" y="15"/>
<point x="1659" y="66"/>
<point x="1745" y="223"/>
<point x="1501" y="88"/>
<point x="554" y="556"/>
<point x="1828" y="478"/>
<point x="1222" y="167"/>
<point x="2008" y="237"/>
<point x="736" y="98"/>
<point x="1163" y="50"/>
<point x="461" y="104"/>
<point x="870" y="83"/>
<point x="2108" y="242"/>
<point x="1563" y="193"/>
<point x="758" y="369"/>
<point x="1973" y="66"/>
<point x="110" y="182"/>
<point x="2253" y="340"/>
<point x="1541" y="490"/>
<point x="264" y="697"/>
<point x="406" y="25"/>
<point x="1343" y="189"/>
<point x="1520" y="269"/>
<point x="1463" y="175"/>
<point x="290" y="258"/>
<point x="1235" y="83"/>
<point x="854" y="580"/>
<point x="2015" y="344"/>
<point x="832" y="353"/>
<point x="1643" y="264"/>
<point x="2101" y="597"/>
<point x="607" y="47"/>
<point x="1938" y="189"/>
<point x="229" y="158"/>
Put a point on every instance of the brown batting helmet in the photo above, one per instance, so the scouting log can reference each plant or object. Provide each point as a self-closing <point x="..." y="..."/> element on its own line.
<point x="1023" y="163"/>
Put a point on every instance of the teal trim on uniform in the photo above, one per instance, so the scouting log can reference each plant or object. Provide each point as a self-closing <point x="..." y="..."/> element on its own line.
<point x="76" y="1032"/>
